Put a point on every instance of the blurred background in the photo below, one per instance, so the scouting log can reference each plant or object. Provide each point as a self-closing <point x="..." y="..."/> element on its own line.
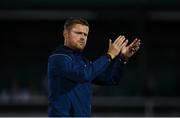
<point x="31" y="29"/>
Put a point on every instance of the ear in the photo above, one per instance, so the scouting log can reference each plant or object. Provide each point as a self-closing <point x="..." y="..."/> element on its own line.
<point x="65" y="34"/>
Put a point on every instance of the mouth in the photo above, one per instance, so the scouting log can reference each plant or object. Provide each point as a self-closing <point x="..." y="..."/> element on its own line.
<point x="82" y="43"/>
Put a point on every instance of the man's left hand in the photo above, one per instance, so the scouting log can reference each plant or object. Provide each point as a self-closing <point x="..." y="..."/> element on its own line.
<point x="129" y="50"/>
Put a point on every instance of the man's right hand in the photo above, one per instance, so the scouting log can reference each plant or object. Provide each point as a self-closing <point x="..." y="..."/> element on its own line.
<point x="116" y="46"/>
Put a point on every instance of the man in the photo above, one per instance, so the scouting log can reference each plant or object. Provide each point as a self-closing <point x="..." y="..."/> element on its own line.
<point x="71" y="75"/>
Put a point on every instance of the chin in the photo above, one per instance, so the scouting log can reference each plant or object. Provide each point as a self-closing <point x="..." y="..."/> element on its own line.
<point x="81" y="47"/>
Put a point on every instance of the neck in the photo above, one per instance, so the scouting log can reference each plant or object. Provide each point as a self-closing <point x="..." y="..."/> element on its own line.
<point x="76" y="50"/>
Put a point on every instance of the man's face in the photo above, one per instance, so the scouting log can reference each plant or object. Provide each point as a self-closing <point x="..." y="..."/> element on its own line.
<point x="76" y="36"/>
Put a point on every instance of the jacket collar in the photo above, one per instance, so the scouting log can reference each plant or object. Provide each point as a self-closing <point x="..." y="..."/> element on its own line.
<point x="67" y="49"/>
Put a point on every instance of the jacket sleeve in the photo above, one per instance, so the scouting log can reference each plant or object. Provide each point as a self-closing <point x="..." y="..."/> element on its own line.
<point x="112" y="75"/>
<point x="67" y="67"/>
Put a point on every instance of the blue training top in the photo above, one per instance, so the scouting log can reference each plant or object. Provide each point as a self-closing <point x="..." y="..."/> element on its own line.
<point x="70" y="77"/>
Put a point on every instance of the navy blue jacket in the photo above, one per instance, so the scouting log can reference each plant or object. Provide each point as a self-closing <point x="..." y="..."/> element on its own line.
<point x="70" y="78"/>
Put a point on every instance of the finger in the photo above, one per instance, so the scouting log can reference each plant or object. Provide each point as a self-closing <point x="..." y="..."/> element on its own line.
<point x="137" y="44"/>
<point x="115" y="42"/>
<point x="110" y="42"/>
<point x="135" y="49"/>
<point x="120" y="42"/>
<point x="134" y="42"/>
<point x="124" y="44"/>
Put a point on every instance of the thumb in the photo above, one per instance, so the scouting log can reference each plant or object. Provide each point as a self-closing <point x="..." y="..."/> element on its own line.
<point x="110" y="42"/>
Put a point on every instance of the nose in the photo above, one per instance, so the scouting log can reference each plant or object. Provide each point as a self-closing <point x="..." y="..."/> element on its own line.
<point x="83" y="36"/>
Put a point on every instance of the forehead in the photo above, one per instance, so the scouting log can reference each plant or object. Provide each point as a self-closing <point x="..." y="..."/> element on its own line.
<point x="80" y="28"/>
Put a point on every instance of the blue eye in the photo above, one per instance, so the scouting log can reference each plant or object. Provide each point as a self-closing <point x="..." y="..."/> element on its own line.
<point x="78" y="32"/>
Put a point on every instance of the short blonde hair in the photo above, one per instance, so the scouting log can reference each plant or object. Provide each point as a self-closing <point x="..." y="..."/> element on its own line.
<point x="75" y="20"/>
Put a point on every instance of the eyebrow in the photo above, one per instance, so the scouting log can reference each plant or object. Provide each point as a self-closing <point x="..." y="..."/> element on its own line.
<point x="80" y="32"/>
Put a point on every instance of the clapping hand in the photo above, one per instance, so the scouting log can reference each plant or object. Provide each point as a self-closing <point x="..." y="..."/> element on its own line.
<point x="129" y="50"/>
